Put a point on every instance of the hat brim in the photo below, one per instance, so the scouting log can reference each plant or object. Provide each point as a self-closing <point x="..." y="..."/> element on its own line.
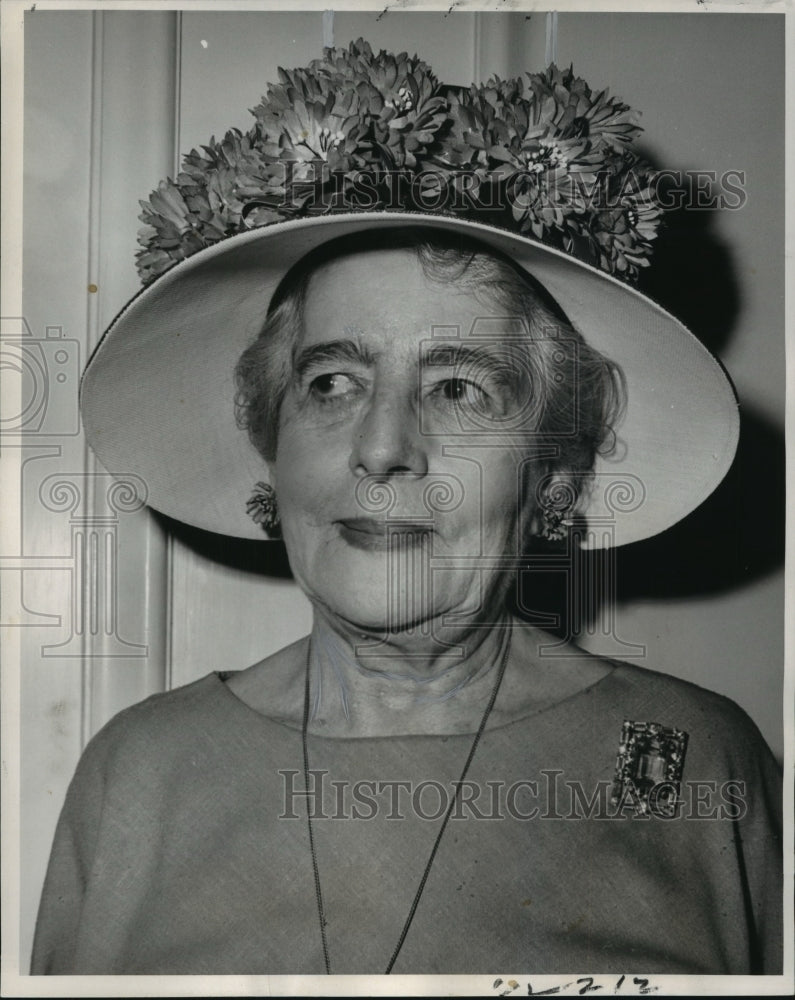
<point x="157" y="395"/>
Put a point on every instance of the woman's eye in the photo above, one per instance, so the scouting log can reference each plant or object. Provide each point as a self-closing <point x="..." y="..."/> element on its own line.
<point x="334" y="385"/>
<point x="463" y="392"/>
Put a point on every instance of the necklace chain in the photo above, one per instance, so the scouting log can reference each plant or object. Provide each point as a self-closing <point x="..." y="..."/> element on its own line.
<point x="442" y="828"/>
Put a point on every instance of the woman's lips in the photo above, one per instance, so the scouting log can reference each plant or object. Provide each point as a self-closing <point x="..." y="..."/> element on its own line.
<point x="371" y="533"/>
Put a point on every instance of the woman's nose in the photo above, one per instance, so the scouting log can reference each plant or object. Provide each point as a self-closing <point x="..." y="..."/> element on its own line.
<point x="387" y="439"/>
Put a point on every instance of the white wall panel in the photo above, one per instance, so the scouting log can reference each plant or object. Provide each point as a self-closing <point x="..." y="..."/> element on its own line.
<point x="58" y="87"/>
<point x="99" y="123"/>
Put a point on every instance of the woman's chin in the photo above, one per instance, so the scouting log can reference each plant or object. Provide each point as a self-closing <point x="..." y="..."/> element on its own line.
<point x="378" y="590"/>
<point x="369" y="596"/>
<point x="402" y="613"/>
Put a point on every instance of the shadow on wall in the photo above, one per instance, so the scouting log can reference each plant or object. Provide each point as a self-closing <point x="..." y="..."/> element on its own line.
<point x="692" y="276"/>
<point x="266" y="558"/>
<point x="735" y="537"/>
<point x="738" y="534"/>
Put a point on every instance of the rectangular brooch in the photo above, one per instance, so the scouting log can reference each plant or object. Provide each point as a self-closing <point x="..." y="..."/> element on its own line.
<point x="649" y="768"/>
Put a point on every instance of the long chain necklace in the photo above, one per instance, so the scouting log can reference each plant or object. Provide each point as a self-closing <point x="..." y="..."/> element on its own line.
<point x="442" y="828"/>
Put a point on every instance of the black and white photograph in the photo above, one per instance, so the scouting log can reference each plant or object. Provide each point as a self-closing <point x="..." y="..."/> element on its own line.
<point x="394" y="499"/>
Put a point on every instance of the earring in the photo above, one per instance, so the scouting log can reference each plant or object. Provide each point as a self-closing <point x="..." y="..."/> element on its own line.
<point x="262" y="508"/>
<point x="554" y="523"/>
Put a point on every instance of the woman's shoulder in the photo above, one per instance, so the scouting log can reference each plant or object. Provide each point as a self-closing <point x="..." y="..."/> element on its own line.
<point x="587" y="689"/>
<point x="222" y="705"/>
<point x="550" y="671"/>
<point x="166" y="724"/>
<point x="714" y="721"/>
<point x="635" y="684"/>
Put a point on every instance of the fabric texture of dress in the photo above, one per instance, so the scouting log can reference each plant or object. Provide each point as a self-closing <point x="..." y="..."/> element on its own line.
<point x="183" y="848"/>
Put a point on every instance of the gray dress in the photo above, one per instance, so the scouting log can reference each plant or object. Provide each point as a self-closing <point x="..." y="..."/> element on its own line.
<point x="182" y="846"/>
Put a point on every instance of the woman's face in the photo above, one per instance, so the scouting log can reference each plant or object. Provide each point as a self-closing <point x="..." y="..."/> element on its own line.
<point x="401" y="446"/>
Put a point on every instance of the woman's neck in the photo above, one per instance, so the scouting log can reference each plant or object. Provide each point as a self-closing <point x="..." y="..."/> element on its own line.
<point x="397" y="694"/>
<point x="434" y="679"/>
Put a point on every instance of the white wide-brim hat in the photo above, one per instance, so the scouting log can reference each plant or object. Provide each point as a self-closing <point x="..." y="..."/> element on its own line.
<point x="158" y="393"/>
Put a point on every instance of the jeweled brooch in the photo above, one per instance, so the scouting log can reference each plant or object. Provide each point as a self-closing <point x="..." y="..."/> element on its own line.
<point x="649" y="766"/>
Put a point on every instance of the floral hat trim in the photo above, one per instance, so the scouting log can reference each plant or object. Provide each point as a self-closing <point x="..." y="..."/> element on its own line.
<point x="545" y="157"/>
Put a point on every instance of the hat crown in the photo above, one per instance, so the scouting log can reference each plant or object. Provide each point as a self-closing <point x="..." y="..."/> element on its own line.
<point x="542" y="155"/>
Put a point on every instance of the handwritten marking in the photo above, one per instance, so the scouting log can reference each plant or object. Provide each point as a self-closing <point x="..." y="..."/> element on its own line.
<point x="581" y="987"/>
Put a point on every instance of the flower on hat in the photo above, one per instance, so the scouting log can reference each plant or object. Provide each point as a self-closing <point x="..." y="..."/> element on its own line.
<point x="542" y="155"/>
<point x="204" y="205"/>
<point x="558" y="149"/>
<point x="305" y="118"/>
<point x="624" y="232"/>
<point x="407" y="111"/>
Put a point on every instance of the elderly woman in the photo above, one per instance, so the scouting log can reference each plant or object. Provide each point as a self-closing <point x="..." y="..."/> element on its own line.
<point x="428" y="782"/>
